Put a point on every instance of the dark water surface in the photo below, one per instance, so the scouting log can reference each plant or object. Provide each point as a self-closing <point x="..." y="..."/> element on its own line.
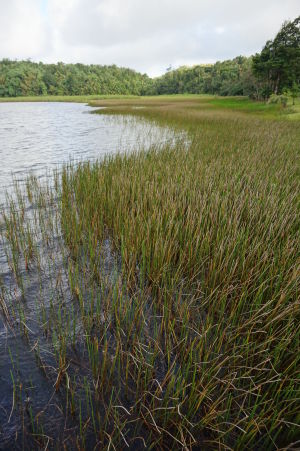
<point x="37" y="138"/>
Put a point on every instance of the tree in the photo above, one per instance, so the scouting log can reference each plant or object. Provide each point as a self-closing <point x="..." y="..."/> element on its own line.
<point x="28" y="78"/>
<point x="278" y="65"/>
<point x="295" y="91"/>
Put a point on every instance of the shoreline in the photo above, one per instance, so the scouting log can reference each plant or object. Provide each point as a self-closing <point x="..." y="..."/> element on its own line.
<point x="155" y="293"/>
<point x="237" y="104"/>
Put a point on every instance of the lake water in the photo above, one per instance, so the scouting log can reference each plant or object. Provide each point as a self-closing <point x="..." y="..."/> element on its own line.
<point x="37" y="137"/>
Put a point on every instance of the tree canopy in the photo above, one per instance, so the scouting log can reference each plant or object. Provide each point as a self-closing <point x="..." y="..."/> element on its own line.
<point x="231" y="77"/>
<point x="278" y="65"/>
<point x="26" y="78"/>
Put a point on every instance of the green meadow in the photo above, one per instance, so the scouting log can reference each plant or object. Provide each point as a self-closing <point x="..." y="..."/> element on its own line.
<point x="166" y="313"/>
<point x="63" y="98"/>
<point x="202" y="101"/>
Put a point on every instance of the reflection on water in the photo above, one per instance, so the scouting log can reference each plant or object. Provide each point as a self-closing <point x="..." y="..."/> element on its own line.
<point x="40" y="136"/>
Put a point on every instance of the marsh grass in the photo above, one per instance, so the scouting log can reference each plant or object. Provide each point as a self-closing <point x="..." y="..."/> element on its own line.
<point x="52" y="98"/>
<point x="166" y="289"/>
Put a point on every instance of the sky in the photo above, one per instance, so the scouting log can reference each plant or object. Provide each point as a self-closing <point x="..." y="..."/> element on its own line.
<point x="145" y="35"/>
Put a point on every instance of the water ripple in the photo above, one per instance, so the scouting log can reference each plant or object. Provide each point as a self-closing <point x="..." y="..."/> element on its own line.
<point x="39" y="137"/>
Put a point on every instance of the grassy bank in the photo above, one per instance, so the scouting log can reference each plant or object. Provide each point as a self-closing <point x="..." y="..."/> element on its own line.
<point x="75" y="99"/>
<point x="173" y="313"/>
<point x="201" y="101"/>
<point x="205" y="104"/>
<point x="92" y="98"/>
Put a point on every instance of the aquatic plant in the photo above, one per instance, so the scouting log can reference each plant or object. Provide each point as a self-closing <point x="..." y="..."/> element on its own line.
<point x="166" y="289"/>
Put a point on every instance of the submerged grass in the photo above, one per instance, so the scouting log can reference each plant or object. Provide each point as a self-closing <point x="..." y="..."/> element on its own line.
<point x="173" y="278"/>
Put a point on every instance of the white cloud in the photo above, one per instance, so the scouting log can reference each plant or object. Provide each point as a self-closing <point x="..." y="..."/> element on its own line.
<point x="220" y="30"/>
<point x="24" y="32"/>
<point x="142" y="34"/>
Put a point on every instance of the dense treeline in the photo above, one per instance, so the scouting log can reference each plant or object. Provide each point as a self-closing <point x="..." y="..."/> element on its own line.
<point x="26" y="78"/>
<point x="273" y="71"/>
<point x="232" y="77"/>
<point x="278" y="65"/>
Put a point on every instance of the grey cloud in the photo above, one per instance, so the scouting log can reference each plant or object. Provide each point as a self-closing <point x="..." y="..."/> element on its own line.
<point x="150" y="35"/>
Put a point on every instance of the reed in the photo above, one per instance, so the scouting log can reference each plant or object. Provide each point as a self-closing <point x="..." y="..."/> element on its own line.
<point x="169" y="286"/>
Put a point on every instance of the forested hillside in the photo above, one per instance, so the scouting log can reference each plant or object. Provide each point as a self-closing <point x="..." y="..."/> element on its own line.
<point x="232" y="77"/>
<point x="273" y="71"/>
<point x="25" y="78"/>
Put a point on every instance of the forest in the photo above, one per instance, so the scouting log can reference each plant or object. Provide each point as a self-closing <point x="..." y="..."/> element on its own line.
<point x="275" y="70"/>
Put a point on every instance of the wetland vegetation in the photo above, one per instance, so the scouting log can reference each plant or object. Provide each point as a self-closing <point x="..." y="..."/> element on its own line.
<point x="157" y="292"/>
<point x="150" y="299"/>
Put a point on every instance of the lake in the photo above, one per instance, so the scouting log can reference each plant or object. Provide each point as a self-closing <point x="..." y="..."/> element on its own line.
<point x="39" y="137"/>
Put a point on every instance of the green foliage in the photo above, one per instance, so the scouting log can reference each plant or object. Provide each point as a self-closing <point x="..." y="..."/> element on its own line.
<point x="275" y="68"/>
<point x="294" y="92"/>
<point x="279" y="99"/>
<point x="278" y="65"/>
<point x="25" y="78"/>
<point x="232" y="77"/>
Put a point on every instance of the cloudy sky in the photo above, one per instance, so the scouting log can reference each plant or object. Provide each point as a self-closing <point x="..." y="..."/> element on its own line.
<point x="146" y="35"/>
